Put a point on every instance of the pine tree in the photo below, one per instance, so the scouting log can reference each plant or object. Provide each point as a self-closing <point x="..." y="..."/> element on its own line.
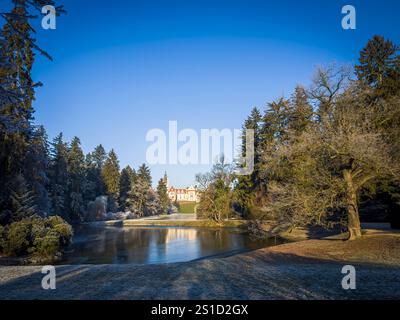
<point x="111" y="174"/>
<point x="246" y="185"/>
<point x="138" y="195"/>
<point x="153" y="205"/>
<point x="17" y="90"/>
<point x="59" y="177"/>
<point x="379" y="66"/>
<point x="22" y="198"/>
<point x="162" y="193"/>
<point x="36" y="169"/>
<point x="99" y="156"/>
<point x="144" y="174"/>
<point x="125" y="185"/>
<point x="76" y="171"/>
<point x="301" y="112"/>
<point x="94" y="182"/>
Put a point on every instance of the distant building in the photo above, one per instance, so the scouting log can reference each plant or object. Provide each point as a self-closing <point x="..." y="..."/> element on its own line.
<point x="179" y="195"/>
<point x="182" y="194"/>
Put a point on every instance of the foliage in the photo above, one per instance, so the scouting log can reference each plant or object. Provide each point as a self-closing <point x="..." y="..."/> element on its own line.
<point x="216" y="192"/>
<point x="319" y="151"/>
<point x="127" y="178"/>
<point x="111" y="176"/>
<point x="42" y="237"/>
<point x="162" y="193"/>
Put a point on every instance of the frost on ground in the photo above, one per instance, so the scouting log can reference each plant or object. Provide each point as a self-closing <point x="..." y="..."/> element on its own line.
<point x="304" y="270"/>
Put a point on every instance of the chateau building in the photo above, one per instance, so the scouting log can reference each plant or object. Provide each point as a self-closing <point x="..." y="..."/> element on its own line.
<point x="182" y="194"/>
<point x="179" y="195"/>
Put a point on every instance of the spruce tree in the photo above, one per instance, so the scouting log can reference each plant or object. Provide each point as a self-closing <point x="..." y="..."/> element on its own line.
<point x="139" y="193"/>
<point x="125" y="185"/>
<point x="76" y="171"/>
<point x="37" y="169"/>
<point x="162" y="193"/>
<point x="94" y="182"/>
<point x="111" y="174"/>
<point x="23" y="205"/>
<point x="379" y="66"/>
<point x="59" y="177"/>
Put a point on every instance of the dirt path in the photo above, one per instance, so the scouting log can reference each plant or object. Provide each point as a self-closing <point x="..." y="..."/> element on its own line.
<point x="303" y="270"/>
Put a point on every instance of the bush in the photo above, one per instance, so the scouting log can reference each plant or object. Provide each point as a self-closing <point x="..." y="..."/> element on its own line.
<point x="19" y="238"/>
<point x="47" y="246"/>
<point x="41" y="237"/>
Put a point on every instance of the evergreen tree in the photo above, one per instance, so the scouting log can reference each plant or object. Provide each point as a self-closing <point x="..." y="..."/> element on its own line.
<point x="94" y="182"/>
<point x="18" y="89"/>
<point x="138" y="195"/>
<point x="111" y="175"/>
<point x="59" y="177"/>
<point x="36" y="169"/>
<point x="76" y="171"/>
<point x="379" y="66"/>
<point x="99" y="157"/>
<point x="301" y="112"/>
<point x="125" y="185"/>
<point x="162" y="193"/>
<point x="23" y="205"/>
<point x="144" y="174"/>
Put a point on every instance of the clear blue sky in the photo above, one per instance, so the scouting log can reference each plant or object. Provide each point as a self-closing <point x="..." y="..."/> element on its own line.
<point x="123" y="67"/>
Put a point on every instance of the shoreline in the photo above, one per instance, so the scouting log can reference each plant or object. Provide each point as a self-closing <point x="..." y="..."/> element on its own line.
<point x="167" y="223"/>
<point x="309" y="269"/>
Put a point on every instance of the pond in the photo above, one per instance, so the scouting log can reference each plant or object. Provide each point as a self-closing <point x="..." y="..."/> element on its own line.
<point x="149" y="245"/>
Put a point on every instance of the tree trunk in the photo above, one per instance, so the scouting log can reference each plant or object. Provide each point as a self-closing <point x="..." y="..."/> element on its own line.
<point x="353" y="224"/>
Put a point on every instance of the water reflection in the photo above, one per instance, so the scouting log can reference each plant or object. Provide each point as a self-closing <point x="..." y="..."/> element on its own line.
<point x="147" y="245"/>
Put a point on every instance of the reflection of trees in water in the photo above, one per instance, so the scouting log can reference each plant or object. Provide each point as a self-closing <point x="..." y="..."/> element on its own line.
<point x="143" y="245"/>
<point x="180" y="234"/>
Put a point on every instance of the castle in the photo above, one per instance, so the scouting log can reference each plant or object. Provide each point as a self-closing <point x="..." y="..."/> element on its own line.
<point x="182" y="194"/>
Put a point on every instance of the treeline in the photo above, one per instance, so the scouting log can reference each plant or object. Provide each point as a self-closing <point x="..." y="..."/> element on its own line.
<point x="72" y="181"/>
<point x="42" y="178"/>
<point x="24" y="179"/>
<point x="322" y="151"/>
<point x="57" y="178"/>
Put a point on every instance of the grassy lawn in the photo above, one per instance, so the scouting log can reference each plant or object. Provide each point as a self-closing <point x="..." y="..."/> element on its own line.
<point x="187" y="207"/>
<point x="179" y="223"/>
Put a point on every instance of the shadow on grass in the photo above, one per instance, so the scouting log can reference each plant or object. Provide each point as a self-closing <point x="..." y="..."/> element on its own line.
<point x="249" y="276"/>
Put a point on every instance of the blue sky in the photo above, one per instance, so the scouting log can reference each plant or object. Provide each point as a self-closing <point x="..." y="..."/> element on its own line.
<point x="123" y="67"/>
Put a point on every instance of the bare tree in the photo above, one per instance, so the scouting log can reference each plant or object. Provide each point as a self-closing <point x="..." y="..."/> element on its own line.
<point x="332" y="161"/>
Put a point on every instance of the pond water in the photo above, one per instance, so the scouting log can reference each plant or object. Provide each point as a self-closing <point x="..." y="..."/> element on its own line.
<point x="148" y="245"/>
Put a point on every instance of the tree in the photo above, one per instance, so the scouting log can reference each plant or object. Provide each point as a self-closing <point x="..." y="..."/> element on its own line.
<point x="59" y="176"/>
<point x="379" y="66"/>
<point x="300" y="111"/>
<point x="216" y="192"/>
<point x="144" y="174"/>
<point x="139" y="197"/>
<point x="127" y="178"/>
<point x="162" y="193"/>
<point x="17" y="91"/>
<point x="153" y="205"/>
<point x="94" y="182"/>
<point x="22" y="198"/>
<point x="246" y="186"/>
<point x="330" y="163"/>
<point x="76" y="171"/>
<point x="36" y="169"/>
<point x="111" y="176"/>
